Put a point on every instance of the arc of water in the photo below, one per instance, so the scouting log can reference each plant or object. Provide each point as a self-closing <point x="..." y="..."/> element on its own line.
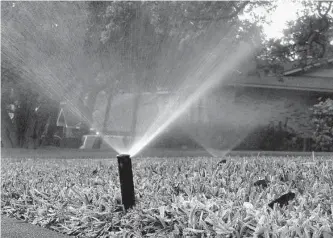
<point x="217" y="74"/>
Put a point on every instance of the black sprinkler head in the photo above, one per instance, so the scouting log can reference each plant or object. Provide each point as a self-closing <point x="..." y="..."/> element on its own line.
<point x="126" y="180"/>
<point x="123" y="156"/>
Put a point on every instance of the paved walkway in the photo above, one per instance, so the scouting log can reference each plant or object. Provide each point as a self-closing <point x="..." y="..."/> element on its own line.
<point x="13" y="228"/>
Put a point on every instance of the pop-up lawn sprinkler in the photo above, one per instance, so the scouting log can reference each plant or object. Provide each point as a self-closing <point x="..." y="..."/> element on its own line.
<point x="126" y="180"/>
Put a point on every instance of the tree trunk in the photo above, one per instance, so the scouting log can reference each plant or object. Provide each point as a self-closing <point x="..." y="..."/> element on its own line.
<point x="26" y="121"/>
<point x="21" y="119"/>
<point x="135" y="116"/>
<point x="92" y="96"/>
<point x="30" y="136"/>
<point x="50" y="127"/>
<point x="99" y="141"/>
<point x="42" y="123"/>
<point x="8" y="132"/>
<point x="107" y="112"/>
<point x="51" y="124"/>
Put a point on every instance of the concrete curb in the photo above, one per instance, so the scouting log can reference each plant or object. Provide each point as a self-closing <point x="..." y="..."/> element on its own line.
<point x="13" y="228"/>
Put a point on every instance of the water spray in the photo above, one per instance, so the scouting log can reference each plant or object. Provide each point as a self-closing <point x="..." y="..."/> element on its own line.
<point x="126" y="180"/>
<point x="211" y="75"/>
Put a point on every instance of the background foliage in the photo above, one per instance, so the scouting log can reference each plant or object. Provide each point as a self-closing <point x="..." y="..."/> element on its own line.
<point x="322" y="118"/>
<point x="73" y="52"/>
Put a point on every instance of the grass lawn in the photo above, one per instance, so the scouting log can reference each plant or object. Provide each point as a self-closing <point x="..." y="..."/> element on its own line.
<point x="175" y="197"/>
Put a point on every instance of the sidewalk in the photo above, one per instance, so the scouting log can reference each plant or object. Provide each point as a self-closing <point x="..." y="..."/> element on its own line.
<point x="13" y="228"/>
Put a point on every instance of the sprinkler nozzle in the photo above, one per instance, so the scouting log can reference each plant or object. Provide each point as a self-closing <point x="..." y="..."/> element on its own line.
<point x="126" y="180"/>
<point x="123" y="156"/>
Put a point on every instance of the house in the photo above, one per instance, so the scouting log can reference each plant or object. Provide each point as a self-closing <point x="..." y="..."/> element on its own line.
<point x="283" y="100"/>
<point x="71" y="124"/>
<point x="234" y="114"/>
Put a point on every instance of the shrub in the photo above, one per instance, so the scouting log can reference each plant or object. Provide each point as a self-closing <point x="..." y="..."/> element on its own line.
<point x="322" y="119"/>
<point x="71" y="142"/>
<point x="174" y="138"/>
<point x="272" y="137"/>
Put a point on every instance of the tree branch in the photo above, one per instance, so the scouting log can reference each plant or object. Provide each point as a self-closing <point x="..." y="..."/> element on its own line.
<point x="327" y="10"/>
<point x="230" y="16"/>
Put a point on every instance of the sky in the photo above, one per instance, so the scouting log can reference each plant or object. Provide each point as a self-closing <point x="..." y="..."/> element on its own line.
<point x="286" y="11"/>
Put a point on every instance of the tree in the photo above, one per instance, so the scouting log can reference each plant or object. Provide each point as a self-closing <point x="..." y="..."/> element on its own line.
<point x="308" y="37"/>
<point x="41" y="65"/>
<point x="61" y="51"/>
<point x="322" y="119"/>
<point x="147" y="37"/>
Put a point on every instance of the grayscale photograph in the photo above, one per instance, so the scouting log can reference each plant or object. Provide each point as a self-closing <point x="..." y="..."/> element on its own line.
<point x="167" y="119"/>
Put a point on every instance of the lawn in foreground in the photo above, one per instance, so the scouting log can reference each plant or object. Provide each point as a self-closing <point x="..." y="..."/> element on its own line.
<point x="183" y="197"/>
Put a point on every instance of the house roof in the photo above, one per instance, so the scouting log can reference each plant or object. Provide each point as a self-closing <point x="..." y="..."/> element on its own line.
<point x="299" y="66"/>
<point x="316" y="76"/>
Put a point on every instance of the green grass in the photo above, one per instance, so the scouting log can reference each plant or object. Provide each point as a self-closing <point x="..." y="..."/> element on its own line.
<point x="187" y="197"/>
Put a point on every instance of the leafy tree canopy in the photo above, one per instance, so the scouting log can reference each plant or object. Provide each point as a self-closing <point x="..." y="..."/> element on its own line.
<point x="309" y="36"/>
<point x="73" y="50"/>
<point x="136" y="35"/>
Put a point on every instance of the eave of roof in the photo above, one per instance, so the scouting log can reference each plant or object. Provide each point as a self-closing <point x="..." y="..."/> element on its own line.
<point x="303" y="83"/>
<point x="309" y="89"/>
<point x="309" y="66"/>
